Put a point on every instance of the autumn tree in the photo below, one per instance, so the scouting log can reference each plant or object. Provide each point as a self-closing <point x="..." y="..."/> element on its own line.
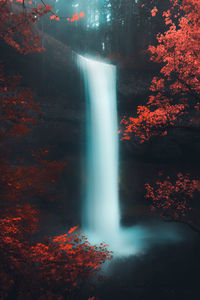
<point x="173" y="102"/>
<point x="175" y="93"/>
<point x="173" y="198"/>
<point x="54" y="267"/>
<point x="17" y="18"/>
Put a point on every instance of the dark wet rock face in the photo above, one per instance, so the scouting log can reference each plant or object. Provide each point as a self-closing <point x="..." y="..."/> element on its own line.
<point x="180" y="144"/>
<point x="134" y="84"/>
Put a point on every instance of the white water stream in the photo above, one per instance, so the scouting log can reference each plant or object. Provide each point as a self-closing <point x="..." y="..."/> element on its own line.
<point x="101" y="212"/>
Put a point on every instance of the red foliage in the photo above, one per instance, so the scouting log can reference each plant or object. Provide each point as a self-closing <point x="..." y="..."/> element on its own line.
<point x="172" y="197"/>
<point x="178" y="48"/>
<point x="151" y="123"/>
<point x="16" y="25"/>
<point x="177" y="89"/>
<point x="52" y="268"/>
<point x="154" y="12"/>
<point x="20" y="182"/>
<point x="18" y="109"/>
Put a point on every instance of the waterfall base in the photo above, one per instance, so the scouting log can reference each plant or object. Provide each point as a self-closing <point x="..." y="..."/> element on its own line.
<point x="137" y="240"/>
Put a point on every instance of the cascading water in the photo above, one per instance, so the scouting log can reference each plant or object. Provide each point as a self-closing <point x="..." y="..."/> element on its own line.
<point x="101" y="211"/>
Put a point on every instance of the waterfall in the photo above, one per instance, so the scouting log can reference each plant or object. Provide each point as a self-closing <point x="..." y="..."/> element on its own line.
<point x="101" y="208"/>
<point x="101" y="213"/>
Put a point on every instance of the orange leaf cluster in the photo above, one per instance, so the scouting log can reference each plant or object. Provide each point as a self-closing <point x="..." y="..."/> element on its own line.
<point x="74" y="18"/>
<point x="154" y="12"/>
<point x="177" y="89"/>
<point x="50" y="269"/>
<point x="150" y="123"/>
<point x="172" y="196"/>
<point x="18" y="109"/>
<point x="16" y="25"/>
